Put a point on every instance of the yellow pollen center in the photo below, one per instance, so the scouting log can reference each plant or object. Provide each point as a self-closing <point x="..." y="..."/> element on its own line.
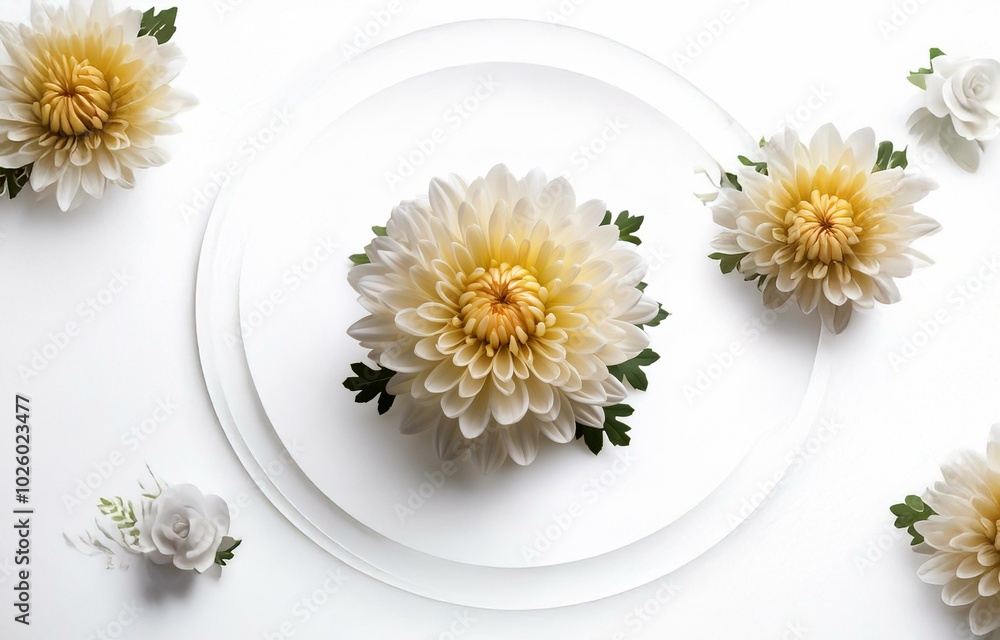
<point x="75" y="98"/>
<point x="822" y="228"/>
<point x="503" y="306"/>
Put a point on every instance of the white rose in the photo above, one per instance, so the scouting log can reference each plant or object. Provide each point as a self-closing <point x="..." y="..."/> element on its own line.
<point x="969" y="92"/>
<point x="184" y="527"/>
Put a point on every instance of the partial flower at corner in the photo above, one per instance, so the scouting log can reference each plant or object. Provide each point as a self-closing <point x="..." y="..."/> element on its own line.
<point x="84" y="96"/>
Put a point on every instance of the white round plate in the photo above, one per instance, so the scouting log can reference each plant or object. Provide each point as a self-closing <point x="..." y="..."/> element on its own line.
<point x="734" y="393"/>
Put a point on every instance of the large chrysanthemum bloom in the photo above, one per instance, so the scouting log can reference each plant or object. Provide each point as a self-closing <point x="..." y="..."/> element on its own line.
<point x="821" y="226"/>
<point x="83" y="98"/>
<point x="963" y="535"/>
<point x="500" y="305"/>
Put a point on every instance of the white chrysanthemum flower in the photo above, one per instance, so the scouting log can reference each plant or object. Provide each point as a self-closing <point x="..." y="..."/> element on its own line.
<point x="821" y="226"/>
<point x="500" y="305"/>
<point x="963" y="535"/>
<point x="83" y="98"/>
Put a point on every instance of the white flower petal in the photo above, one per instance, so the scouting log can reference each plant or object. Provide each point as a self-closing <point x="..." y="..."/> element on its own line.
<point x="521" y="441"/>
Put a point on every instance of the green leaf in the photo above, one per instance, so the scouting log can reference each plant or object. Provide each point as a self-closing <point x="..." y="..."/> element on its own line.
<point x="661" y="315"/>
<point x="762" y="143"/>
<point x="884" y="156"/>
<point x="899" y="159"/>
<point x="631" y="370"/>
<point x="888" y="158"/>
<point x="371" y="383"/>
<point x="360" y="258"/>
<point x="728" y="262"/>
<point x="13" y="180"/>
<point x="159" y="25"/>
<point x="759" y="167"/>
<point x="224" y="555"/>
<point x="732" y="181"/>
<point x="614" y="429"/>
<point x="627" y="225"/>
<point x="641" y="286"/>
<point x="380" y="232"/>
<point x="911" y="511"/>
<point x="919" y="77"/>
<point x="593" y="438"/>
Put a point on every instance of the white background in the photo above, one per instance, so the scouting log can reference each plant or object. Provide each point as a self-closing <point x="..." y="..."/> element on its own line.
<point x="818" y="560"/>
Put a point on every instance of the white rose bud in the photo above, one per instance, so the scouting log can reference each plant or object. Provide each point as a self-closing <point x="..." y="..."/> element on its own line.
<point x="969" y="92"/>
<point x="184" y="527"/>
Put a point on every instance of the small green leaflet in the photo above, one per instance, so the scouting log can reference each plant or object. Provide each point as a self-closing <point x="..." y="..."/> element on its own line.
<point x="614" y="429"/>
<point x="371" y="383"/>
<point x="13" y="180"/>
<point x="889" y="159"/>
<point x="728" y="262"/>
<point x="731" y="181"/>
<point x="159" y="25"/>
<point x="122" y="513"/>
<point x="759" y="167"/>
<point x="918" y="77"/>
<point x="631" y="370"/>
<point x="661" y="315"/>
<point x="222" y="556"/>
<point x="627" y="225"/>
<point x="910" y="512"/>
<point x="361" y="258"/>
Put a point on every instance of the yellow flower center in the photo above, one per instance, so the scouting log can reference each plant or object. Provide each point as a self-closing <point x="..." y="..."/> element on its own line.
<point x="822" y="228"/>
<point x="75" y="98"/>
<point x="503" y="305"/>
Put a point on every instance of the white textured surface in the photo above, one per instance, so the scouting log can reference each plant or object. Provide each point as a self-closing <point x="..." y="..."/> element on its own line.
<point x="818" y="561"/>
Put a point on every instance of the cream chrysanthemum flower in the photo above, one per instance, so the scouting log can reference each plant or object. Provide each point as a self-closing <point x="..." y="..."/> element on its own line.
<point x="500" y="305"/>
<point x="83" y="97"/>
<point x="963" y="535"/>
<point x="821" y="226"/>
